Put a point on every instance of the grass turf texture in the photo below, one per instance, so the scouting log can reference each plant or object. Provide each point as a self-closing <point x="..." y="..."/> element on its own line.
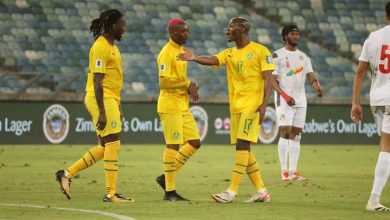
<point x="339" y="186"/>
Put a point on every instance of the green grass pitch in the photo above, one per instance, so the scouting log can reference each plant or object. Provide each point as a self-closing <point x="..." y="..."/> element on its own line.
<point x="340" y="181"/>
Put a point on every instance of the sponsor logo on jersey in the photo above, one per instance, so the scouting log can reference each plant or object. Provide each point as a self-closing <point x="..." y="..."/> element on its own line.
<point x="98" y="63"/>
<point x="201" y="119"/>
<point x="268" y="59"/>
<point x="249" y="56"/>
<point x="176" y="135"/>
<point x="162" y="67"/>
<point x="56" y="123"/>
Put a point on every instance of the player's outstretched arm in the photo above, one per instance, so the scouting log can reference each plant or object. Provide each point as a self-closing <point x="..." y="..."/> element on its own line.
<point x="204" y="60"/>
<point x="356" y="110"/>
<point x="315" y="84"/>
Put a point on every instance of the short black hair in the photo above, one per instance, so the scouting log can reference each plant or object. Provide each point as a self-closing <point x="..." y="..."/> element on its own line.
<point x="242" y="22"/>
<point x="287" y="29"/>
<point x="388" y="9"/>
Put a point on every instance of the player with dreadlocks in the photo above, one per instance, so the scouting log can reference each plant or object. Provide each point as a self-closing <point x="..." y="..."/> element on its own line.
<point x="292" y="68"/>
<point x="102" y="99"/>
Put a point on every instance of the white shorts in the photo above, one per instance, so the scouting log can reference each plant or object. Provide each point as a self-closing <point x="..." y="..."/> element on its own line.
<point x="382" y="118"/>
<point x="291" y="116"/>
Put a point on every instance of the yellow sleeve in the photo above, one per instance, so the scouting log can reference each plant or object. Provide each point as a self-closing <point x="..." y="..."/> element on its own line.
<point x="171" y="83"/>
<point x="221" y="56"/>
<point x="100" y="55"/>
<point x="266" y="60"/>
<point x="167" y="80"/>
<point x="164" y="64"/>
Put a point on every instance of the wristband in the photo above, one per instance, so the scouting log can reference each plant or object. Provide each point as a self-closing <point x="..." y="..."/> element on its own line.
<point x="286" y="97"/>
<point x="318" y="83"/>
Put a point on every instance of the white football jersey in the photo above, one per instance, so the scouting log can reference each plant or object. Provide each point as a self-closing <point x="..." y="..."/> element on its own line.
<point x="291" y="67"/>
<point x="376" y="51"/>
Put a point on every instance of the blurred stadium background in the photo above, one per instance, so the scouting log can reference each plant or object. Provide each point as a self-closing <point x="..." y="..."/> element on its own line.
<point x="44" y="44"/>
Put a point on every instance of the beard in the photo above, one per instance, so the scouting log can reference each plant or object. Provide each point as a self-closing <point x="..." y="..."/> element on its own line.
<point x="118" y="37"/>
<point x="294" y="44"/>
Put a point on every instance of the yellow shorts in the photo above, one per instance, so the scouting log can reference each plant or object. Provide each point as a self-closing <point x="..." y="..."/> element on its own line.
<point x="111" y="106"/>
<point x="245" y="126"/>
<point x="178" y="129"/>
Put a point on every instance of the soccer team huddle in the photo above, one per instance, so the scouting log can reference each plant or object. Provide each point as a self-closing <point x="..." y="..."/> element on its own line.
<point x="252" y="73"/>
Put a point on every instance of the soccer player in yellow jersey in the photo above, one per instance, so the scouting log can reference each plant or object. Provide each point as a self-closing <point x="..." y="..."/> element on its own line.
<point x="249" y="68"/>
<point x="178" y="123"/>
<point x="102" y="99"/>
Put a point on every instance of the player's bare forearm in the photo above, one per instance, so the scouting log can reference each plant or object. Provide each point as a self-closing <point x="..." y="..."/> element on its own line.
<point x="315" y="83"/>
<point x="358" y="82"/>
<point x="275" y="84"/>
<point x="208" y="61"/>
<point x="98" y="87"/>
<point x="267" y="77"/>
<point x="204" y="60"/>
<point x="172" y="83"/>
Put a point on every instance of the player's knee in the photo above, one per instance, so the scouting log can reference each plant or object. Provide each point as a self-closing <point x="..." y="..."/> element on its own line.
<point x="110" y="138"/>
<point x="285" y="133"/>
<point x="195" y="143"/>
<point x="242" y="145"/>
<point x="296" y="137"/>
<point x="173" y="146"/>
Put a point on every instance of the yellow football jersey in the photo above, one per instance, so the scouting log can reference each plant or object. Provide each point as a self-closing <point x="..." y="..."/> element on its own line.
<point x="172" y="100"/>
<point x="245" y="82"/>
<point x="105" y="58"/>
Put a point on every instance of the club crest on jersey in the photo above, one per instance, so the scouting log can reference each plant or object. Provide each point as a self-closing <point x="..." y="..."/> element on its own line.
<point x="98" y="63"/>
<point x="176" y="135"/>
<point x="162" y="67"/>
<point x="249" y="56"/>
<point x="113" y="124"/>
<point x="301" y="58"/>
<point x="268" y="59"/>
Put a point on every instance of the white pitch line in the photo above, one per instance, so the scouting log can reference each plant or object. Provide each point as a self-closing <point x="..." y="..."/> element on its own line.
<point x="120" y="217"/>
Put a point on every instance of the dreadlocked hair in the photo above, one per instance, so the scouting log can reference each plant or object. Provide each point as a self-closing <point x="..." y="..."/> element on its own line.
<point x="103" y="24"/>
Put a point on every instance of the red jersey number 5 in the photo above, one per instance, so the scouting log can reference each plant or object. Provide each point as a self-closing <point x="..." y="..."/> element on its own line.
<point x="385" y="56"/>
